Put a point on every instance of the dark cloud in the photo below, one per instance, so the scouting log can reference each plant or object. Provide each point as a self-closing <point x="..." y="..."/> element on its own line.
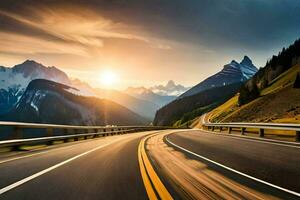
<point x="248" y="23"/>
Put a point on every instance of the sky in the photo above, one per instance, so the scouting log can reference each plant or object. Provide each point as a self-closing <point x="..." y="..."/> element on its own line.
<point x="145" y="42"/>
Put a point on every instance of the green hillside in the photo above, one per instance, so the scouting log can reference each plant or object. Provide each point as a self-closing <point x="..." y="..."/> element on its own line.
<point x="279" y="102"/>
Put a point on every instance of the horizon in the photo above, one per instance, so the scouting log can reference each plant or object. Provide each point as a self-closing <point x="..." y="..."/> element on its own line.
<point x="88" y="39"/>
<point x="105" y="85"/>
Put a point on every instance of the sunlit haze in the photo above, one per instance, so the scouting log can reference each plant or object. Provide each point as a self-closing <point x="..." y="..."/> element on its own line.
<point x="108" y="78"/>
<point x="146" y="42"/>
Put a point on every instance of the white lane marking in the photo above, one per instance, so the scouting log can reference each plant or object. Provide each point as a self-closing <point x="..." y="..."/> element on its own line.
<point x="20" y="182"/>
<point x="235" y="171"/>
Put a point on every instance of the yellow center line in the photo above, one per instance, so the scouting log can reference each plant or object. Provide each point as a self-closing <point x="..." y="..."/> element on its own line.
<point x="147" y="183"/>
<point x="146" y="166"/>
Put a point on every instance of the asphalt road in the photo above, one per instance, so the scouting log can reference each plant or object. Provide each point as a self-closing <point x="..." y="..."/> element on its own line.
<point x="273" y="163"/>
<point x="107" y="172"/>
<point x="110" y="168"/>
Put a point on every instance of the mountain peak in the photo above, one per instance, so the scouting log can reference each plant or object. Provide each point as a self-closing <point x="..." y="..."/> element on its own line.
<point x="233" y="62"/>
<point x="246" y="60"/>
<point x="231" y="73"/>
<point x="170" y="83"/>
<point x="29" y="61"/>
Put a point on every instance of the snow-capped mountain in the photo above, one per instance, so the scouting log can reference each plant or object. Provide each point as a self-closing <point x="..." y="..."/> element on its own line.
<point x="233" y="72"/>
<point x="170" y="89"/>
<point x="46" y="101"/>
<point x="160" y="95"/>
<point x="247" y="68"/>
<point x="20" y="75"/>
<point x="15" y="80"/>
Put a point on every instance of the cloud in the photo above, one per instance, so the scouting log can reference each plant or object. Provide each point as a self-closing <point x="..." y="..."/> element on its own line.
<point x="22" y="44"/>
<point x="75" y="30"/>
<point x="149" y="37"/>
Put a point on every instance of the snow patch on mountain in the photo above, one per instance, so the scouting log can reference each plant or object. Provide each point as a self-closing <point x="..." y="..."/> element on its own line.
<point x="13" y="82"/>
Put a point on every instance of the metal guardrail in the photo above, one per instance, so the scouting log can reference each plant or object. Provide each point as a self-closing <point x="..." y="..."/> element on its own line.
<point x="69" y="132"/>
<point x="260" y="126"/>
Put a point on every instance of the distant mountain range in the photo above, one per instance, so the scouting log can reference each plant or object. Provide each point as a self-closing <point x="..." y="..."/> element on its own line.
<point x="145" y="108"/>
<point x="148" y="95"/>
<point x="170" y="89"/>
<point x="15" y="80"/>
<point x="206" y="95"/>
<point x="231" y="73"/>
<point x="46" y="101"/>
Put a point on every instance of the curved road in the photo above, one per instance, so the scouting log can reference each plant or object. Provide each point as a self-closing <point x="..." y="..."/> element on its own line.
<point x="275" y="163"/>
<point x="109" y="172"/>
<point x="155" y="165"/>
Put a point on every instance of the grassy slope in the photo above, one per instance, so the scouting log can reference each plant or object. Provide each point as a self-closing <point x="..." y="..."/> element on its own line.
<point x="225" y="109"/>
<point x="278" y="103"/>
<point x="284" y="80"/>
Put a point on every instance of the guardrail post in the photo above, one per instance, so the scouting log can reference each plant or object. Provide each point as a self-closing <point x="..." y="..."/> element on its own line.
<point x="243" y="131"/>
<point x="297" y="136"/>
<point x="221" y="128"/>
<point x="261" y="132"/>
<point x="49" y="132"/>
<point x="17" y="133"/>
<point x="96" y="133"/>
<point x="86" y="131"/>
<point x="212" y="128"/>
<point x="229" y="130"/>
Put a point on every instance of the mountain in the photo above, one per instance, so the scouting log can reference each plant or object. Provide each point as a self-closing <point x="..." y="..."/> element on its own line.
<point x="148" y="95"/>
<point x="233" y="72"/>
<point x="15" y="80"/>
<point x="142" y="107"/>
<point x="271" y="95"/>
<point x="170" y="89"/>
<point x="183" y="109"/>
<point x="206" y="95"/>
<point x="31" y="70"/>
<point x="46" y="101"/>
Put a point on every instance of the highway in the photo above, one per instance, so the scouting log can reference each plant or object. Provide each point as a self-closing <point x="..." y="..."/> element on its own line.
<point x="168" y="164"/>
<point x="109" y="172"/>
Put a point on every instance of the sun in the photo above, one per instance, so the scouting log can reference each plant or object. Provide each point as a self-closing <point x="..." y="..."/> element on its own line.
<point x="108" y="78"/>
